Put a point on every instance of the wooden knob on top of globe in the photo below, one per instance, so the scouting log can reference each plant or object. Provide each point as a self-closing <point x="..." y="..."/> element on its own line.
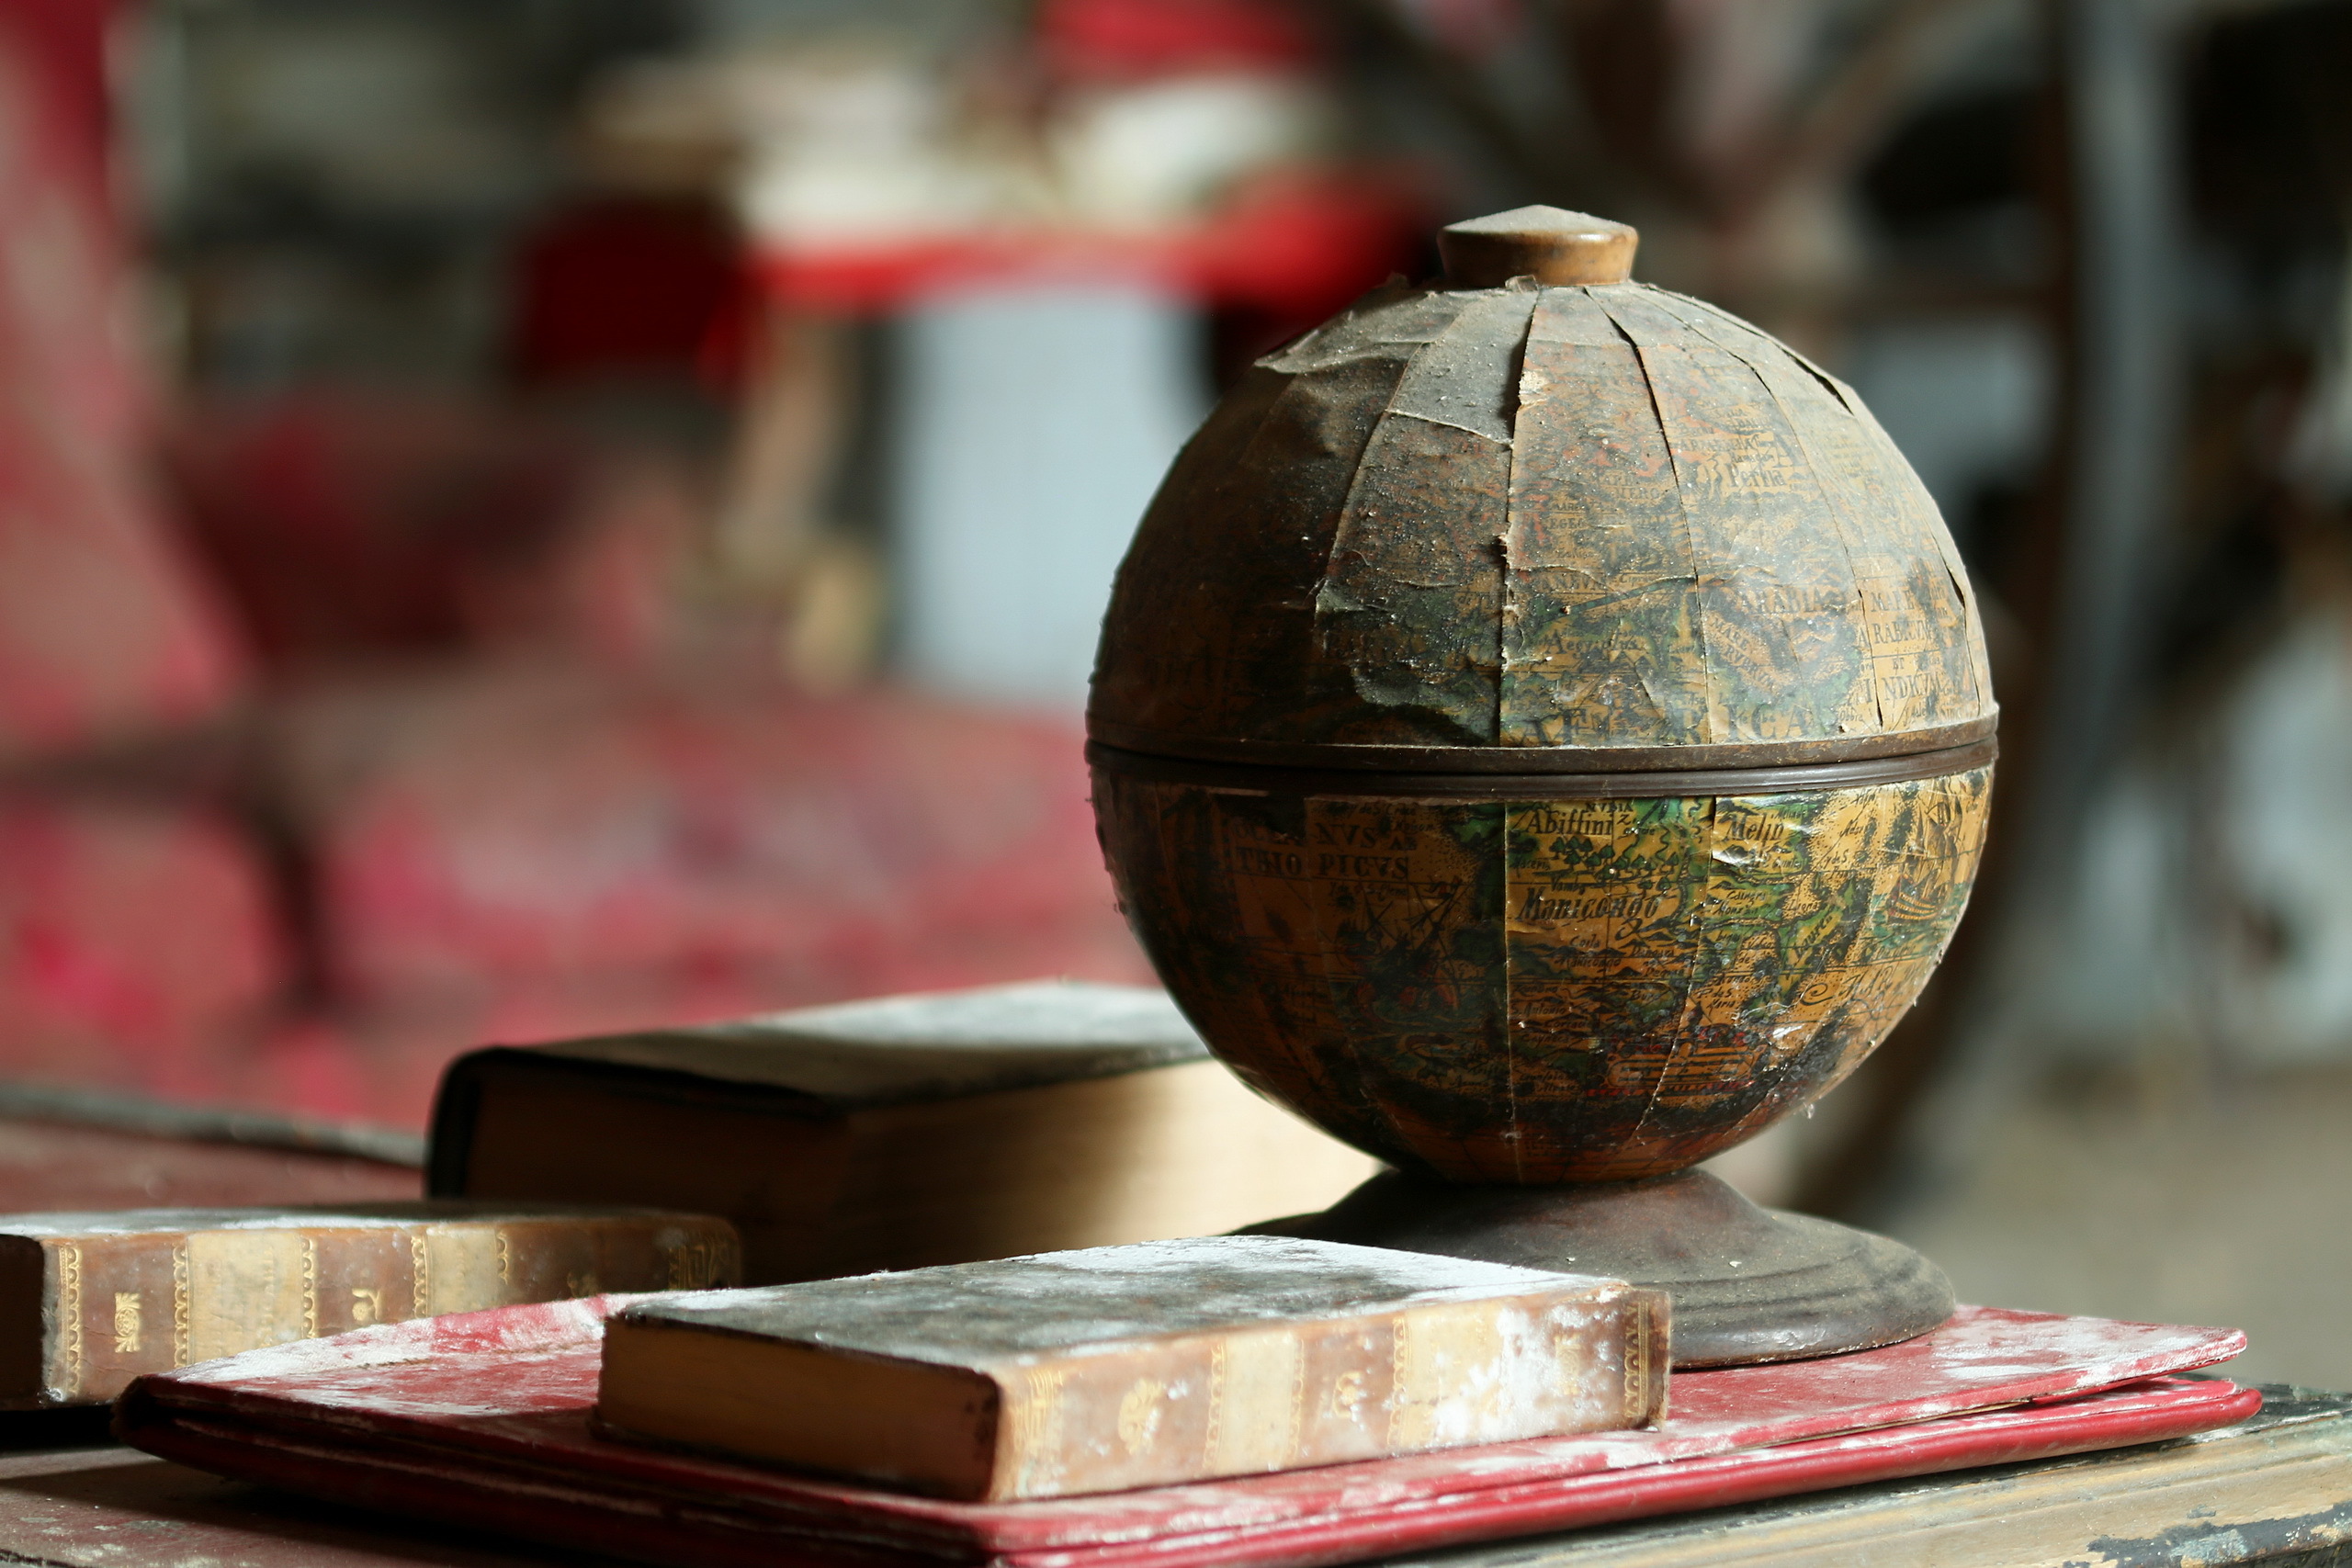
<point x="1555" y="247"/>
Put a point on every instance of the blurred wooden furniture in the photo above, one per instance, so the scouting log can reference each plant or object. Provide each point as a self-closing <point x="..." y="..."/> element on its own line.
<point x="47" y="1165"/>
<point x="1008" y="353"/>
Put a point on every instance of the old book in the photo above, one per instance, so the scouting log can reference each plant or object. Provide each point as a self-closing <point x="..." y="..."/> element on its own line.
<point x="1120" y="1367"/>
<point x="894" y="1133"/>
<point x="483" y="1422"/>
<point x="90" y="1300"/>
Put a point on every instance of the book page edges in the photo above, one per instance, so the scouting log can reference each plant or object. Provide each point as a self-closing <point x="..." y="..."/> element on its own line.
<point x="1088" y="1163"/>
<point x="919" y="1425"/>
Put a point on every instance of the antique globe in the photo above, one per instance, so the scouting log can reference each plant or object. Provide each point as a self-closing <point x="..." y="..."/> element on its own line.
<point x="1542" y="735"/>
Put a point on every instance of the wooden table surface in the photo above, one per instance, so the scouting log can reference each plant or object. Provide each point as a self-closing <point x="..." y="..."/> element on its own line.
<point x="2277" y="1493"/>
<point x="105" y="1506"/>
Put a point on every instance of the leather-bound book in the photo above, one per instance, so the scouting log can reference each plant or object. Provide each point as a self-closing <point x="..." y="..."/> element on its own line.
<point x="1120" y="1367"/>
<point x="897" y="1133"/>
<point x="90" y="1300"/>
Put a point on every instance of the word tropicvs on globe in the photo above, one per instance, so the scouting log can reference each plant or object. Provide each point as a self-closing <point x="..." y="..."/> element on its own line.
<point x="1542" y="735"/>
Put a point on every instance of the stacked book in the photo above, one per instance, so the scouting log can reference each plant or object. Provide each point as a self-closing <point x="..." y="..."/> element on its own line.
<point x="1252" y="1402"/>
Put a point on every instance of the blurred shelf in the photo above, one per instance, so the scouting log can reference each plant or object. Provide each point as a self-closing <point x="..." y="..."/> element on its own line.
<point x="1293" y="247"/>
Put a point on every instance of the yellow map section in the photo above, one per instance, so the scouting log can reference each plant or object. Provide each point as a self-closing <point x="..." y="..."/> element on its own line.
<point x="1686" y="959"/>
<point x="1548" y="990"/>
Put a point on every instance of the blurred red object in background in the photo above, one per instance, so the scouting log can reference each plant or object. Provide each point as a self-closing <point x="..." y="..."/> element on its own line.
<point x="517" y="852"/>
<point x="354" y="526"/>
<point x="135" y="936"/>
<point x="1127" y="39"/>
<point x="744" y="843"/>
<point x="572" y="831"/>
<point x="104" y="631"/>
<point x="593" y="821"/>
<point x="136" y="943"/>
<point x="64" y="45"/>
<point x="349" y="524"/>
<point x="621" y="286"/>
<point x="530" y="852"/>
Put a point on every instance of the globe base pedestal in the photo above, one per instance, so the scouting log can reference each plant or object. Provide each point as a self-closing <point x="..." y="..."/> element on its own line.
<point x="1748" y="1284"/>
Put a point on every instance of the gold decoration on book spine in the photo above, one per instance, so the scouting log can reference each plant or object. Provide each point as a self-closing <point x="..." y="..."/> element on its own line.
<point x="245" y="1289"/>
<point x="698" y="1265"/>
<point x="1401" y="1435"/>
<point x="420" y="1279"/>
<point x="69" y="1314"/>
<point x="1637" y="1362"/>
<point x="1032" y="1409"/>
<point x="1211" y="1443"/>
<point x="179" y="1305"/>
<point x="1295" y="1407"/>
<point x="1430" y="1361"/>
<point x="1140" y="1410"/>
<point x="1257" y="1403"/>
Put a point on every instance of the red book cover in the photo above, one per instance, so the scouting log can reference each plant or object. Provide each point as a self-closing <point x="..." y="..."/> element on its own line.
<point x="482" y="1419"/>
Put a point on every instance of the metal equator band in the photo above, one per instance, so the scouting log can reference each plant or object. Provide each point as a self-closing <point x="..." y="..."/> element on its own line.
<point x="1527" y="760"/>
<point x="1537" y="786"/>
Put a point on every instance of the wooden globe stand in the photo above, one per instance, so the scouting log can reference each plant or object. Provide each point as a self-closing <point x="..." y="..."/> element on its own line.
<point x="1543" y="737"/>
<point x="1748" y="1283"/>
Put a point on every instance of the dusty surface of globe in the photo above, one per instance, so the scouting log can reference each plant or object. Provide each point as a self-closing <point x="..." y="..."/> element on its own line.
<point x="1541" y="734"/>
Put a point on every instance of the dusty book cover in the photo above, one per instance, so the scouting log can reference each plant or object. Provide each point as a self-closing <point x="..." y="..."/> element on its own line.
<point x="1135" y="1366"/>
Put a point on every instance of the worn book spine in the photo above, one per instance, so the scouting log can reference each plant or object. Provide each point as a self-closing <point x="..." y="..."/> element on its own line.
<point x="1287" y="1397"/>
<point x="82" y="1315"/>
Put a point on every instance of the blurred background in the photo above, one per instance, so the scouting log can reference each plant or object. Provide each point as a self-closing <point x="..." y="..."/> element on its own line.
<point x="524" y="517"/>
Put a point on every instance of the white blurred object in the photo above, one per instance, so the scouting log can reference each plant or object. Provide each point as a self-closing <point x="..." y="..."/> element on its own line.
<point x="2116" y="978"/>
<point x="853" y="146"/>
<point x="2214" y="902"/>
<point x="838" y="143"/>
<point x="849" y="144"/>
<point x="1968" y="399"/>
<point x="2288" y="842"/>
<point x="1033" y="425"/>
<point x="1162" y="150"/>
<point x="1742" y="61"/>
